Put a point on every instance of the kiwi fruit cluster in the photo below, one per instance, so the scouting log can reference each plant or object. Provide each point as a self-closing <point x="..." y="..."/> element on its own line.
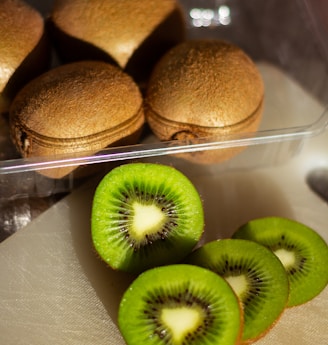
<point x="147" y="220"/>
<point x="187" y="89"/>
<point x="88" y="97"/>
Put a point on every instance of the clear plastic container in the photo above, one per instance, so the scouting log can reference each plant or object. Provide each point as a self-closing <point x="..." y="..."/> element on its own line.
<point x="287" y="42"/>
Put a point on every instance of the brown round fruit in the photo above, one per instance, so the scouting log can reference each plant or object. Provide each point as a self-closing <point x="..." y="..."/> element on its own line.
<point x="133" y="34"/>
<point x="205" y="88"/>
<point x="25" y="51"/>
<point x="74" y="108"/>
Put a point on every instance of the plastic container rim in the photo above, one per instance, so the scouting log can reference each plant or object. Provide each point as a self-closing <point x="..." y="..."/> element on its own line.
<point x="147" y="150"/>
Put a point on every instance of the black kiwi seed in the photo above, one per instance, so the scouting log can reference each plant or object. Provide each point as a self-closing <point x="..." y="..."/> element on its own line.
<point x="255" y="274"/>
<point x="302" y="251"/>
<point x="145" y="215"/>
<point x="180" y="305"/>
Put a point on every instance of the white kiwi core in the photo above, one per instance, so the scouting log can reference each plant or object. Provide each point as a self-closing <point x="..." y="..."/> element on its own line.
<point x="239" y="284"/>
<point x="287" y="257"/>
<point x="181" y="321"/>
<point x="147" y="219"/>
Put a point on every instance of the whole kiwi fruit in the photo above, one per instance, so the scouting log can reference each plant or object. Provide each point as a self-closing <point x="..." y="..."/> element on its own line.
<point x="132" y="34"/>
<point x="73" y="108"/>
<point x="25" y="49"/>
<point x="204" y="88"/>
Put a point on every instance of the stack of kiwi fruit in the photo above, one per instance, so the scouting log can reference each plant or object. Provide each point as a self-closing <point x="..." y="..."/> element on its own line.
<point x="122" y="68"/>
<point x="147" y="219"/>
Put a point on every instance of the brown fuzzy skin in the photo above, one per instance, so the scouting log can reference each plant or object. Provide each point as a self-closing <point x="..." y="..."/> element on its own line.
<point x="118" y="29"/>
<point x="24" y="54"/>
<point x="205" y="88"/>
<point x="82" y="106"/>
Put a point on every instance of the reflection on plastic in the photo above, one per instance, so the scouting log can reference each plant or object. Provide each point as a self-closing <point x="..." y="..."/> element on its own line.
<point x="204" y="17"/>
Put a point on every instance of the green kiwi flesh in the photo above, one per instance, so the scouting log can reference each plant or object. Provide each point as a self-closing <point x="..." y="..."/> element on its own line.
<point x="145" y="215"/>
<point x="180" y="304"/>
<point x="302" y="251"/>
<point x="255" y="274"/>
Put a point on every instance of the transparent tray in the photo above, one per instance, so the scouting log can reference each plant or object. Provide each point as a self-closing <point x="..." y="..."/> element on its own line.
<point x="287" y="42"/>
<point x="285" y="39"/>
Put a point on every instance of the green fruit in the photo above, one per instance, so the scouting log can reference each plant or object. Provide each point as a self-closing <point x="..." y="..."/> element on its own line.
<point x="180" y="304"/>
<point x="145" y="215"/>
<point x="302" y="251"/>
<point x="255" y="274"/>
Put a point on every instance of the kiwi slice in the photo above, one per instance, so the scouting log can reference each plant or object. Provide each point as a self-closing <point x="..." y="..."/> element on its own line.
<point x="145" y="215"/>
<point x="255" y="274"/>
<point x="180" y="304"/>
<point x="302" y="251"/>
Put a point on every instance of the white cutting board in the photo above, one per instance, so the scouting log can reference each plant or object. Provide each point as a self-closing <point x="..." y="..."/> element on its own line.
<point x="54" y="289"/>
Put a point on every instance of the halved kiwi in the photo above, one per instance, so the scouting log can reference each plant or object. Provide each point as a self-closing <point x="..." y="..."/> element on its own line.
<point x="302" y="251"/>
<point x="255" y="274"/>
<point x="180" y="304"/>
<point x="145" y="215"/>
